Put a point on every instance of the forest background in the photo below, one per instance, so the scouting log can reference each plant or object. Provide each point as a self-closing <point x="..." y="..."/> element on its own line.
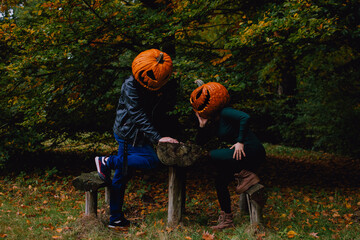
<point x="292" y="65"/>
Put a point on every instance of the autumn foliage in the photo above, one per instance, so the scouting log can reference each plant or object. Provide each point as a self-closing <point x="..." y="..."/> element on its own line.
<point x="291" y="64"/>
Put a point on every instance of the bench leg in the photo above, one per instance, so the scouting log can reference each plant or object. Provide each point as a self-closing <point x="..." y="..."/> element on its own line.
<point x="107" y="195"/>
<point x="91" y="203"/>
<point x="256" y="198"/>
<point x="243" y="204"/>
<point x="255" y="211"/>
<point x="175" y="195"/>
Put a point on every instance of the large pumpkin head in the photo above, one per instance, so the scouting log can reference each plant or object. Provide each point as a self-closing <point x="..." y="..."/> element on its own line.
<point x="152" y="69"/>
<point x="209" y="98"/>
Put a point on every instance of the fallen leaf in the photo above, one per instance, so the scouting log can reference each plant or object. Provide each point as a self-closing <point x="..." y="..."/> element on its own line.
<point x="56" y="237"/>
<point x="291" y="234"/>
<point x="335" y="236"/>
<point x="121" y="229"/>
<point x="348" y="217"/>
<point x="208" y="236"/>
<point x="291" y="215"/>
<point x="313" y="234"/>
<point x="188" y="238"/>
<point x="260" y="236"/>
<point x="138" y="234"/>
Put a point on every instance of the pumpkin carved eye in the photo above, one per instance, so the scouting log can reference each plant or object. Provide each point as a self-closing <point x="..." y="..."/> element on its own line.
<point x="209" y="98"/>
<point x="157" y="67"/>
<point x="151" y="75"/>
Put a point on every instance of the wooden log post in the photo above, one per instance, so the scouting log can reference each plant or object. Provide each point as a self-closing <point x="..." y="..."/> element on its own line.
<point x="177" y="157"/>
<point x="256" y="199"/>
<point x="175" y="201"/>
<point x="91" y="203"/>
<point x="90" y="183"/>
<point x="243" y="204"/>
<point x="107" y="195"/>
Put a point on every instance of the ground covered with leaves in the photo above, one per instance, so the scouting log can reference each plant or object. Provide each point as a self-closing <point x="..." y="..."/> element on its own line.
<point x="311" y="195"/>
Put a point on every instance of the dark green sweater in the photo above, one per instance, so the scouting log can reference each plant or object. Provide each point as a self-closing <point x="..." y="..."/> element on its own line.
<point x="232" y="127"/>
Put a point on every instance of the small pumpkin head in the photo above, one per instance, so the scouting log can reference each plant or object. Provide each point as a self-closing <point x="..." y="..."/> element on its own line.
<point x="152" y="69"/>
<point x="209" y="98"/>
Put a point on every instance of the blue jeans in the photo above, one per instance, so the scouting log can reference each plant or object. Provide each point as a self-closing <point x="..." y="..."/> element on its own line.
<point x="139" y="157"/>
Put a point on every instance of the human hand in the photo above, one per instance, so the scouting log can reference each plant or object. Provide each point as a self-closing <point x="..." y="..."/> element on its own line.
<point x="168" y="140"/>
<point x="239" y="150"/>
<point x="202" y="121"/>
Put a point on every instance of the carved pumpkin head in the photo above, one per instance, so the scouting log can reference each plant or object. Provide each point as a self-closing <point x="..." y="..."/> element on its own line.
<point x="152" y="69"/>
<point x="209" y="99"/>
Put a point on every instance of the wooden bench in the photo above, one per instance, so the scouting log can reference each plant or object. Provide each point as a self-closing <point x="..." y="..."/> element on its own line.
<point x="175" y="156"/>
<point x="90" y="183"/>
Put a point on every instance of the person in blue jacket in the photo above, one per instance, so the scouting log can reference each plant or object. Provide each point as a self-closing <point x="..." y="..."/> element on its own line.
<point x="138" y="126"/>
<point x="241" y="160"/>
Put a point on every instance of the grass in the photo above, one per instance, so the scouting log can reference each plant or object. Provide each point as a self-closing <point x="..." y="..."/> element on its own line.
<point x="43" y="204"/>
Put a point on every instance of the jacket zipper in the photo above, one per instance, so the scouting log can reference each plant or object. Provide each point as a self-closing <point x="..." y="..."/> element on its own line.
<point x="136" y="134"/>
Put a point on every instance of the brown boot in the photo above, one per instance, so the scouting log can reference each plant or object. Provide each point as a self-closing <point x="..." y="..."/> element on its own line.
<point x="245" y="180"/>
<point x="225" y="221"/>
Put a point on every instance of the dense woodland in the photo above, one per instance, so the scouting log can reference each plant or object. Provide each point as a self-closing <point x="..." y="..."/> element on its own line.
<point x="293" y="65"/>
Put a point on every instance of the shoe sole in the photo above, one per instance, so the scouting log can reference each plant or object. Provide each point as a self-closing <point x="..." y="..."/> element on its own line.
<point x="118" y="228"/>
<point x="111" y="226"/>
<point x="98" y="168"/>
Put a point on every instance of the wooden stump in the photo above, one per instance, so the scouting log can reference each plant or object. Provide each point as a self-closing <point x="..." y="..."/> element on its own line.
<point x="90" y="183"/>
<point x="177" y="157"/>
<point x="243" y="204"/>
<point x="178" y="154"/>
<point x="91" y="203"/>
<point x="256" y="199"/>
<point x="176" y="201"/>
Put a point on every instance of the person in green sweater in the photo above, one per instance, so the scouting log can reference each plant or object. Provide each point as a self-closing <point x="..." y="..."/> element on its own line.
<point x="245" y="155"/>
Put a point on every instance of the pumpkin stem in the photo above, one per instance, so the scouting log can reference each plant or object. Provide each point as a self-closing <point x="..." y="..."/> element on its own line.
<point x="160" y="59"/>
<point x="199" y="82"/>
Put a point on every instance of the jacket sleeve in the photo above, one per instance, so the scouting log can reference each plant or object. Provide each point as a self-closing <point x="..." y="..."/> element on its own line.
<point x="240" y="118"/>
<point x="137" y="114"/>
